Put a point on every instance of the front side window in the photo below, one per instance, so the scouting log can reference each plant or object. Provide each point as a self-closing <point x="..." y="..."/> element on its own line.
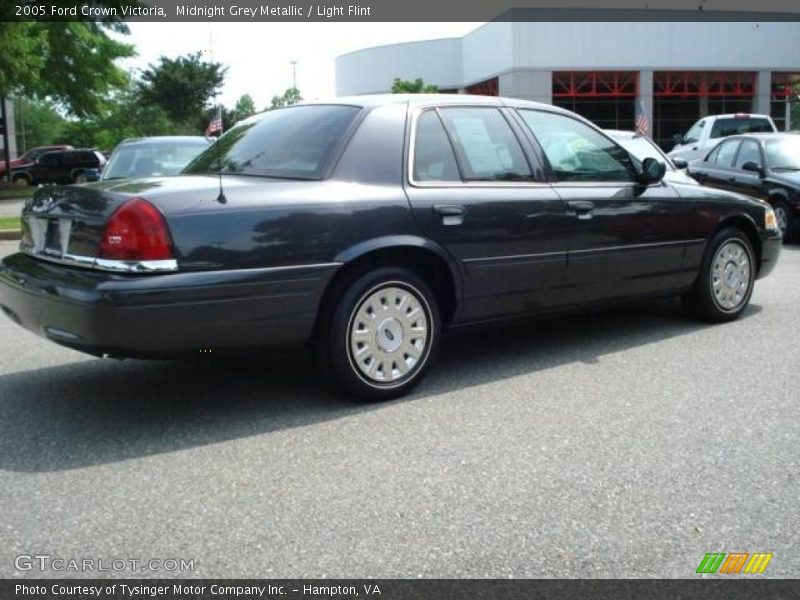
<point x="293" y="143"/>
<point x="577" y="152"/>
<point x="726" y="152"/>
<point x="434" y="159"/>
<point x="485" y="145"/>
<point x="749" y="152"/>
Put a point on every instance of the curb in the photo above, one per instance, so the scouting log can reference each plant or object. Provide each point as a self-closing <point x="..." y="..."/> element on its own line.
<point x="10" y="234"/>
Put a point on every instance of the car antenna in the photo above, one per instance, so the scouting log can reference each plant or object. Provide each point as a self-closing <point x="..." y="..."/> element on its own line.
<point x="216" y="125"/>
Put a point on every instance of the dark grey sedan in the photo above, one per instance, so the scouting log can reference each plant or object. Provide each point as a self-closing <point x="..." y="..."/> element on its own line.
<point x="368" y="227"/>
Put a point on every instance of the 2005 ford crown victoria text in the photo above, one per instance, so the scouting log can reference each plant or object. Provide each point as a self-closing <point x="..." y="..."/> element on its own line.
<point x="369" y="226"/>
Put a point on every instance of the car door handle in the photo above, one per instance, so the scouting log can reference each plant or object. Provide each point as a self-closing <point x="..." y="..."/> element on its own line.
<point x="582" y="208"/>
<point x="452" y="214"/>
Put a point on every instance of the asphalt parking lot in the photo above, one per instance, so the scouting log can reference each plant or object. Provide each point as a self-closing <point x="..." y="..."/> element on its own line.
<point x="623" y="444"/>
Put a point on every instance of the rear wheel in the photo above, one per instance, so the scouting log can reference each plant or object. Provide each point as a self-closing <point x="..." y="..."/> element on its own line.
<point x="80" y="178"/>
<point x="784" y="219"/>
<point x="727" y="274"/>
<point x="21" y="180"/>
<point x="381" y="334"/>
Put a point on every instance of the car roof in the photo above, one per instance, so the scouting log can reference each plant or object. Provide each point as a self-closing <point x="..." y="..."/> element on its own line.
<point x="621" y="134"/>
<point x="374" y="100"/>
<point x="763" y="135"/>
<point x="164" y="139"/>
<point x="742" y="115"/>
<point x="70" y="151"/>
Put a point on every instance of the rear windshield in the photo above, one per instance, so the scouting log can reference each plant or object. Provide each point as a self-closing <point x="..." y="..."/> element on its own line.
<point x="738" y="125"/>
<point x="294" y="143"/>
<point x="783" y="154"/>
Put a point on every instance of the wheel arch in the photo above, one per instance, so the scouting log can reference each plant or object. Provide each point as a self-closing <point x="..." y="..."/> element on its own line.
<point x="429" y="260"/>
<point x="778" y="194"/>
<point x="747" y="225"/>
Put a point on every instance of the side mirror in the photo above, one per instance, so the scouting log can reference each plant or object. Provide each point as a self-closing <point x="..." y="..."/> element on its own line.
<point x="678" y="139"/>
<point x="753" y="167"/>
<point x="652" y="171"/>
<point x="680" y="163"/>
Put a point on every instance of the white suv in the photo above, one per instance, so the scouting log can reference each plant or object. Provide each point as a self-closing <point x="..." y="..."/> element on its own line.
<point x="704" y="134"/>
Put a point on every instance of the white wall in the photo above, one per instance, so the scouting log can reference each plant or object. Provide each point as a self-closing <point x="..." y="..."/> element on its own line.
<point x="372" y="70"/>
<point x="498" y="48"/>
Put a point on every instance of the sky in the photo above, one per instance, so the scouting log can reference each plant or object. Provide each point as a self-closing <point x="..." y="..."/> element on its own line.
<point x="259" y="55"/>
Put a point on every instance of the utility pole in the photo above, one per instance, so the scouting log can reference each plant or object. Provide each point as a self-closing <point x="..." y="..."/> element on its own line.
<point x="294" y="73"/>
<point x="4" y="125"/>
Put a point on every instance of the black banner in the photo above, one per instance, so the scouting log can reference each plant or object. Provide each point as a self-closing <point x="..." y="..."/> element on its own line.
<point x="394" y="11"/>
<point x="740" y="588"/>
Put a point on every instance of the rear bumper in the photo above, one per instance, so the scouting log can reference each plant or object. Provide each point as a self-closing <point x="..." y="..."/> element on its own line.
<point x="770" y="250"/>
<point x="163" y="315"/>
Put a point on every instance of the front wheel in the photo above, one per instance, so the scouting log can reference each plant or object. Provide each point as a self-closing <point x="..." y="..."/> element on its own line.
<point x="727" y="274"/>
<point x="80" y="178"/>
<point x="382" y="334"/>
<point x="21" y="180"/>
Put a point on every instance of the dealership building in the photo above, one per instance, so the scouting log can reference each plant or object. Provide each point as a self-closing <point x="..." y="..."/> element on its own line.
<point x="676" y="72"/>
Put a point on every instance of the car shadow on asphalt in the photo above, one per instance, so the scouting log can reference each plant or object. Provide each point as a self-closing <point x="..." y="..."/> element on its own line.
<point x="103" y="411"/>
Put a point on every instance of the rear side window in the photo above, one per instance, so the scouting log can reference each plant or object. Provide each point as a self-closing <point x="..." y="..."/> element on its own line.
<point x="295" y="143"/>
<point x="737" y="126"/>
<point x="577" y="152"/>
<point x="49" y="160"/>
<point x="485" y="144"/>
<point x="726" y="152"/>
<point x="749" y="152"/>
<point x="434" y="159"/>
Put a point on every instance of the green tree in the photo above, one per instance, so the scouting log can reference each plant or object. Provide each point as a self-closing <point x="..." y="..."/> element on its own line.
<point x="245" y="107"/>
<point x="125" y="116"/>
<point x="183" y="87"/>
<point x="417" y="86"/>
<point x="71" y="63"/>
<point x="289" y="98"/>
<point x="37" y="123"/>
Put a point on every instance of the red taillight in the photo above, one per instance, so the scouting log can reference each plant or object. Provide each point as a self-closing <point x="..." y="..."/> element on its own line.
<point x="136" y="231"/>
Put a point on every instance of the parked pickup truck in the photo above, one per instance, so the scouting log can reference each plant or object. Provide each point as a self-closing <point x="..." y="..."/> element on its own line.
<point x="704" y="134"/>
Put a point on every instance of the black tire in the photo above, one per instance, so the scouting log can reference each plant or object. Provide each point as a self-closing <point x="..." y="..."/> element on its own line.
<point x="787" y="231"/>
<point x="336" y="346"/>
<point x="21" y="180"/>
<point x="702" y="301"/>
<point x="80" y="178"/>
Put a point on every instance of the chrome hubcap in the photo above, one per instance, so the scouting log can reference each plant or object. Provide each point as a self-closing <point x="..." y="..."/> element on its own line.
<point x="730" y="275"/>
<point x="781" y="218"/>
<point x="389" y="334"/>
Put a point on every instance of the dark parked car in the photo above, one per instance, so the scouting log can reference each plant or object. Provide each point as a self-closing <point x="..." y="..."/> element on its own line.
<point x="368" y="227"/>
<point x="153" y="156"/>
<point x="30" y="156"/>
<point x="62" y="166"/>
<point x="762" y="165"/>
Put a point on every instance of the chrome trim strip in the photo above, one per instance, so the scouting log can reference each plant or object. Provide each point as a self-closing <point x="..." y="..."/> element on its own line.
<point x="136" y="266"/>
<point x="513" y="257"/>
<point x="146" y="266"/>
<point x="628" y="247"/>
<point x="101" y="264"/>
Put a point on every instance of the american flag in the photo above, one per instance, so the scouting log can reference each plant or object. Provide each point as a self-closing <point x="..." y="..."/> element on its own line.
<point x="642" y="125"/>
<point x="215" y="125"/>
